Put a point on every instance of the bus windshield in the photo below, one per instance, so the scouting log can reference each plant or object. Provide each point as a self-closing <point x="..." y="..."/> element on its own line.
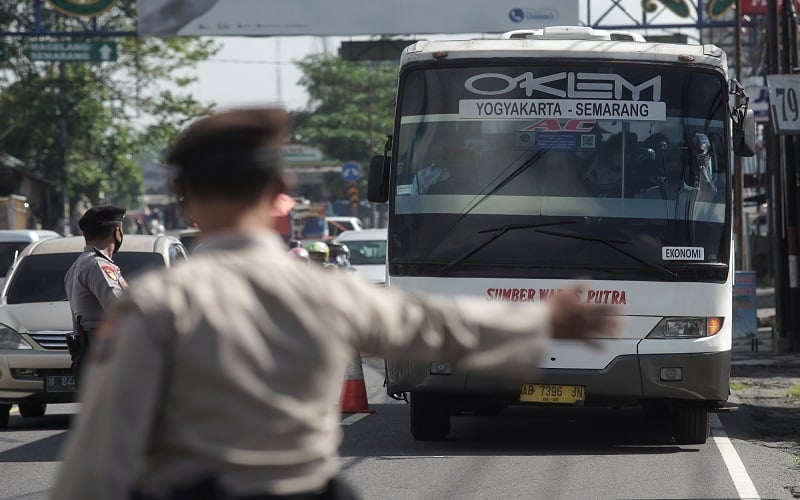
<point x="614" y="171"/>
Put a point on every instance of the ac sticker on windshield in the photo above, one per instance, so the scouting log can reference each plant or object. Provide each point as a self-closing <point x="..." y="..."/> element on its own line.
<point x="556" y="141"/>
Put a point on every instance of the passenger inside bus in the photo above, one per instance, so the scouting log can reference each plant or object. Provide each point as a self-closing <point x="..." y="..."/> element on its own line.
<point x="621" y="165"/>
<point x="450" y="170"/>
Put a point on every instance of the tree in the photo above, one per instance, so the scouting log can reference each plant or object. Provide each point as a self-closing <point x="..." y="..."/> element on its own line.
<point x="350" y="110"/>
<point x="114" y="113"/>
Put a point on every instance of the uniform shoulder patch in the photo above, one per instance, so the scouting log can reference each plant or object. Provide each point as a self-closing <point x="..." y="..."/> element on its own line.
<point x="110" y="272"/>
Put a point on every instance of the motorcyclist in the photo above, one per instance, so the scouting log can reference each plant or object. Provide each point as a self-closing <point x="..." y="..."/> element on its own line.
<point x="339" y="255"/>
<point x="301" y="254"/>
<point x="319" y="253"/>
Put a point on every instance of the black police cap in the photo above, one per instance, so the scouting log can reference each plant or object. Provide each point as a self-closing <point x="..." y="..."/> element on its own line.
<point x="99" y="215"/>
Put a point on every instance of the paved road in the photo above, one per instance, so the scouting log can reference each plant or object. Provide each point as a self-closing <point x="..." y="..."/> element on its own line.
<point x="522" y="454"/>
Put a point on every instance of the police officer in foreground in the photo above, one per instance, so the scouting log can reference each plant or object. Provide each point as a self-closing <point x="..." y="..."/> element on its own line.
<point x="93" y="280"/>
<point x="220" y="378"/>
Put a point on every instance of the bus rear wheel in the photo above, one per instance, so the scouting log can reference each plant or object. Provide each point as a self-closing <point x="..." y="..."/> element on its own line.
<point x="430" y="417"/>
<point x="690" y="425"/>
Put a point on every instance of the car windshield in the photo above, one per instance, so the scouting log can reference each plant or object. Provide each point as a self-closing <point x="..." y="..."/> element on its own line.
<point x="40" y="278"/>
<point x="8" y="252"/>
<point x="365" y="253"/>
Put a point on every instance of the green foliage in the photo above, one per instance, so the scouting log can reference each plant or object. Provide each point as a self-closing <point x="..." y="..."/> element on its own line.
<point x="794" y="391"/>
<point x="737" y="386"/>
<point x="115" y="113"/>
<point x="350" y="111"/>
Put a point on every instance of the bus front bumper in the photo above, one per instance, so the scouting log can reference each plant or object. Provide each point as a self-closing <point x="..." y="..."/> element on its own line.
<point x="700" y="379"/>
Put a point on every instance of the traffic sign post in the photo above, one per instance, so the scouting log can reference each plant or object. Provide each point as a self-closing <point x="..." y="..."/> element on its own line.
<point x="2" y="52"/>
<point x="784" y="103"/>
<point x="352" y="194"/>
<point x="351" y="171"/>
<point x="72" y="51"/>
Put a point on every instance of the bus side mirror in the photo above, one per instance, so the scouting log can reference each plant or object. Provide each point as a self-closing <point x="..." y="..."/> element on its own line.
<point x="744" y="134"/>
<point x="378" y="182"/>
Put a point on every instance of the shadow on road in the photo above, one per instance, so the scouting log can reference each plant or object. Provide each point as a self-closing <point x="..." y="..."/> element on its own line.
<point x="517" y="431"/>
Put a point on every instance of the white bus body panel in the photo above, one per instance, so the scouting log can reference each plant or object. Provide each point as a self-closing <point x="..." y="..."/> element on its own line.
<point x="646" y="303"/>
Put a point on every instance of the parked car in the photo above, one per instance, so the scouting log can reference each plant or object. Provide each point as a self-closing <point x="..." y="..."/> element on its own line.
<point x="35" y="317"/>
<point x="189" y="237"/>
<point x="12" y="241"/>
<point x="367" y="252"/>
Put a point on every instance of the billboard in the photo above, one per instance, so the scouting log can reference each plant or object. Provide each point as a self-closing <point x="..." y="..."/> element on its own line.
<point x="354" y="17"/>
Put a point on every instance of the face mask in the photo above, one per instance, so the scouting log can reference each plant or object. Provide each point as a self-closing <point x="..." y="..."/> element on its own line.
<point x="117" y="242"/>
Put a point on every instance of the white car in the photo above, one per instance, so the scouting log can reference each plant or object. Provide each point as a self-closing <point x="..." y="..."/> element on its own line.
<point x="12" y="241"/>
<point x="367" y="252"/>
<point x="35" y="317"/>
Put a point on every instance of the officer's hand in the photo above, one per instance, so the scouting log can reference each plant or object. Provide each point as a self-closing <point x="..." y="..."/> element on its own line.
<point x="573" y="319"/>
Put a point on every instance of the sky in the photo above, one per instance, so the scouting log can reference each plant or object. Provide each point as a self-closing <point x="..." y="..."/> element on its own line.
<point x="258" y="70"/>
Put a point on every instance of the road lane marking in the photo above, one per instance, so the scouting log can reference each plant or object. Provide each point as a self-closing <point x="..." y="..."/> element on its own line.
<point x="741" y="479"/>
<point x="354" y="418"/>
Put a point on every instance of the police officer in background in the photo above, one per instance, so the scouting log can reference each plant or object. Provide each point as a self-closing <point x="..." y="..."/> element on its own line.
<point x="93" y="280"/>
<point x="220" y="378"/>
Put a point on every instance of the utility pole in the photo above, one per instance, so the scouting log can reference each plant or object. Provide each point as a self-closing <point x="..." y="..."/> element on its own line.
<point x="776" y="188"/>
<point x="790" y="186"/>
<point x="738" y="174"/>
<point x="792" y="148"/>
<point x="63" y="107"/>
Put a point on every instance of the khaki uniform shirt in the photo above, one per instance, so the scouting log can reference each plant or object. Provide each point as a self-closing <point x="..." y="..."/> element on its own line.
<point x="231" y="365"/>
<point x="92" y="282"/>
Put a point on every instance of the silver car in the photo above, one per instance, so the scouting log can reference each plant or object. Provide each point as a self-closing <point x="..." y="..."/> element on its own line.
<point x="35" y="317"/>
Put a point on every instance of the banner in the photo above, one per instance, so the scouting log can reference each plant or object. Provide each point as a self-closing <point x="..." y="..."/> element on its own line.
<point x="745" y="314"/>
<point x="355" y="17"/>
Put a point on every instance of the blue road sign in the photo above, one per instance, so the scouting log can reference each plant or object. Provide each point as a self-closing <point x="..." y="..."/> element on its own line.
<point x="351" y="171"/>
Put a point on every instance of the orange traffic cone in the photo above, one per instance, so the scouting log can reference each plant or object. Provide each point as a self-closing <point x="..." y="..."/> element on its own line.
<point x="354" y="392"/>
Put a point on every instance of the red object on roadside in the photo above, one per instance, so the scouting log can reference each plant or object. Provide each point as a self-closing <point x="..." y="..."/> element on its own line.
<point x="354" y="391"/>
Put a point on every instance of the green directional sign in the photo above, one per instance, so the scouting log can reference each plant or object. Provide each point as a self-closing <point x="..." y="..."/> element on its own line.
<point x="72" y="51"/>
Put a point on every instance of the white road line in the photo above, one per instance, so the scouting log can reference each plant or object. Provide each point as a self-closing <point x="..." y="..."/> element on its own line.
<point x="354" y="418"/>
<point x="741" y="479"/>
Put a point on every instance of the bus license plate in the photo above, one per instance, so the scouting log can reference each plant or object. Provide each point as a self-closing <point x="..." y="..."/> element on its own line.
<point x="60" y="383"/>
<point x="541" y="393"/>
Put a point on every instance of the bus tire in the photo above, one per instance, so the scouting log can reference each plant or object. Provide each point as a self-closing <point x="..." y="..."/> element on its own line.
<point x="655" y="408"/>
<point x="32" y="409"/>
<point x="430" y="418"/>
<point x="690" y="426"/>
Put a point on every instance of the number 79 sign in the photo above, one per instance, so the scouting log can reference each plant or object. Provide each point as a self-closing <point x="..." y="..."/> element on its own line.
<point x="784" y="103"/>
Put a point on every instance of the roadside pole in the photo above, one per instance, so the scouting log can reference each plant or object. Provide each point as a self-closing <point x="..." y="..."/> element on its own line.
<point x="63" y="108"/>
<point x="351" y="173"/>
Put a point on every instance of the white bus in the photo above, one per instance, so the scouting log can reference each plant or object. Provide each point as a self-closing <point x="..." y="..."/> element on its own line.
<point x="522" y="165"/>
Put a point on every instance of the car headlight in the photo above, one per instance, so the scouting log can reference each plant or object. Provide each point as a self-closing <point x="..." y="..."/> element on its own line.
<point x="686" y="328"/>
<point x="10" y="339"/>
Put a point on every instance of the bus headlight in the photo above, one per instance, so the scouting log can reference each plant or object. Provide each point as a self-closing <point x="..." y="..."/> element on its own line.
<point x="686" y="328"/>
<point x="10" y="339"/>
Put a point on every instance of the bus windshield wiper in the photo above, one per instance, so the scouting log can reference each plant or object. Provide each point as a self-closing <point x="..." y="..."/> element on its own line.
<point x="500" y="231"/>
<point x="613" y="244"/>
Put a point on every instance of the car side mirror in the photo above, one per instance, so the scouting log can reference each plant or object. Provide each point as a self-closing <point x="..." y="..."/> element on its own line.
<point x="744" y="134"/>
<point x="378" y="182"/>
